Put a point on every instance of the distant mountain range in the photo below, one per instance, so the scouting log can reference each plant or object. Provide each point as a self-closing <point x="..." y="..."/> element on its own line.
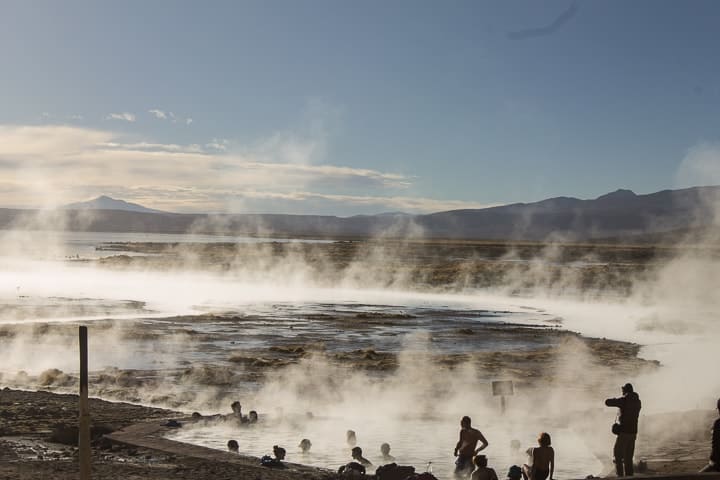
<point x="613" y="217"/>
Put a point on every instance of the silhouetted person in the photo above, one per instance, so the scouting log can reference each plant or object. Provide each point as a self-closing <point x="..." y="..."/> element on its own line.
<point x="279" y="453"/>
<point x="358" y="457"/>
<point x="624" y="449"/>
<point x="543" y="460"/>
<point x="482" y="471"/>
<point x="276" y="460"/>
<point x="351" y="438"/>
<point x="514" y="473"/>
<point x="466" y="449"/>
<point x="305" y="445"/>
<point x="714" y="463"/>
<point x="233" y="446"/>
<point x="385" y="450"/>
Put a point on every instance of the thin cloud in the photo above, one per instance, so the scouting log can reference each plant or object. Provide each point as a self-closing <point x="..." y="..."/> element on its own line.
<point x="58" y="161"/>
<point x="158" y="114"/>
<point x="188" y="121"/>
<point x="125" y="116"/>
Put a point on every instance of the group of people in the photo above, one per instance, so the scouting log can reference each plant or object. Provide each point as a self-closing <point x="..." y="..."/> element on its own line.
<point x="541" y="465"/>
<point x="470" y="463"/>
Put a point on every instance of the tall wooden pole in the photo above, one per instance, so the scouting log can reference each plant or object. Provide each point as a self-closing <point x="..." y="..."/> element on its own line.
<point x="84" y="427"/>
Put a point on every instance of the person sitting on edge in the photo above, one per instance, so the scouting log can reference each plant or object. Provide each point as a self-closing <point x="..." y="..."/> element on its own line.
<point x="543" y="460"/>
<point x="514" y="473"/>
<point x="305" y="445"/>
<point x="482" y="471"/>
<point x="357" y="456"/>
<point x="351" y="438"/>
<point x="233" y="446"/>
<point x="714" y="463"/>
<point x="466" y="449"/>
<point x="627" y="428"/>
<point x="276" y="461"/>
<point x="279" y="453"/>
<point x="385" y="450"/>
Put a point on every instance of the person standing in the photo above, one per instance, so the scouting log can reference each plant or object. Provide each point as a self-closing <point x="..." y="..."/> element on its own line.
<point x="626" y="429"/>
<point x="714" y="463"/>
<point x="465" y="449"/>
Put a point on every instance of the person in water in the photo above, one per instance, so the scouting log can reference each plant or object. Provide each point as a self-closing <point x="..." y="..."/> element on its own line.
<point x="237" y="412"/>
<point x="543" y="460"/>
<point x="351" y="438"/>
<point x="305" y="445"/>
<point x="385" y="450"/>
<point x="233" y="446"/>
<point x="517" y="456"/>
<point x="627" y="428"/>
<point x="482" y="471"/>
<point x="466" y="447"/>
<point x="358" y="457"/>
<point x="714" y="463"/>
<point x="252" y="416"/>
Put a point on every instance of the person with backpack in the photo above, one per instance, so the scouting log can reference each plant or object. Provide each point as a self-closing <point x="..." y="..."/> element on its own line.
<point x="626" y="429"/>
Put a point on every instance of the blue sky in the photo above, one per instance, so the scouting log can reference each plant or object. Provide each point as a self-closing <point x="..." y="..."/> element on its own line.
<point x="343" y="107"/>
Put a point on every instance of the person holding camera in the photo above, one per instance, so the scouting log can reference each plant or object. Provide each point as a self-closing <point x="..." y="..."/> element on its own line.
<point x="626" y="429"/>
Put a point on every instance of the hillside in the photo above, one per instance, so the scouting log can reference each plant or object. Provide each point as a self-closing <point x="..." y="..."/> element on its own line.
<point x="618" y="215"/>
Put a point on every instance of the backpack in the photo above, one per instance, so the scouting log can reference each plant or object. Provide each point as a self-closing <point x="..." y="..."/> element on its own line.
<point x="352" y="469"/>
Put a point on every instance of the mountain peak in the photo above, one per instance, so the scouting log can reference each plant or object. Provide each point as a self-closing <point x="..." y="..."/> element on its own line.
<point x="619" y="194"/>
<point x="104" y="202"/>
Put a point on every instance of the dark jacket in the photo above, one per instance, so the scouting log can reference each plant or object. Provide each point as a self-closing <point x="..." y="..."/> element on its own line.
<point x="715" y="453"/>
<point x="629" y="405"/>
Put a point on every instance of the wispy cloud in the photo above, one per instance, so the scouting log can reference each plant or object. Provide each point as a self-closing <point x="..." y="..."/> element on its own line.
<point x="188" y="121"/>
<point x="125" y="116"/>
<point x="158" y="114"/>
<point x="65" y="163"/>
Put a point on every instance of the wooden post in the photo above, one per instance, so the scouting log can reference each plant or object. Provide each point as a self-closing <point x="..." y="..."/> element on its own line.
<point x="84" y="427"/>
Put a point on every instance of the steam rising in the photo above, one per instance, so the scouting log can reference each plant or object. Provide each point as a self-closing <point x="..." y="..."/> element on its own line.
<point x="670" y="308"/>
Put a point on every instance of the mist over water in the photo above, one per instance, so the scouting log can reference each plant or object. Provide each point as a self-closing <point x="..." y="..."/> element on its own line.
<point x="191" y="324"/>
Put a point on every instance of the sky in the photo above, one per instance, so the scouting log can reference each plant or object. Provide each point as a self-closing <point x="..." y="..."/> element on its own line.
<point x="354" y="107"/>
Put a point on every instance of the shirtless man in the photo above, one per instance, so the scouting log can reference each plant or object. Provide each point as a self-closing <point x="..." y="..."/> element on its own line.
<point x="466" y="449"/>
